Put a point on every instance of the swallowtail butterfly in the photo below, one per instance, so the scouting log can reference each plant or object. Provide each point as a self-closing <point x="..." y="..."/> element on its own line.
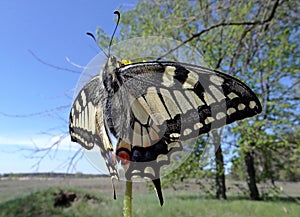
<point x="151" y="108"/>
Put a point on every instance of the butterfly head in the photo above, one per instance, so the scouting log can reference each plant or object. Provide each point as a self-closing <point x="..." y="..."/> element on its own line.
<point x="110" y="67"/>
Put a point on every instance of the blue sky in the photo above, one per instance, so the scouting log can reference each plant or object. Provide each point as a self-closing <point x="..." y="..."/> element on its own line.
<point x="54" y="31"/>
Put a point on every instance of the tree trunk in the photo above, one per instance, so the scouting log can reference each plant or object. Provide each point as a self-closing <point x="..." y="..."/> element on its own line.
<point x="251" y="180"/>
<point x="220" y="170"/>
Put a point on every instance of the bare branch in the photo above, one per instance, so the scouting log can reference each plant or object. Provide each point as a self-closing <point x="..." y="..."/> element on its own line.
<point x="51" y="65"/>
<point x="72" y="161"/>
<point x="35" y="113"/>
<point x="223" y="24"/>
<point x="41" y="153"/>
<point x="289" y="89"/>
<point x="44" y="151"/>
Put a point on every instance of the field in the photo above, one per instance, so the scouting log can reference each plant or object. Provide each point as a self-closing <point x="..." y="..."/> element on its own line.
<point x="40" y="196"/>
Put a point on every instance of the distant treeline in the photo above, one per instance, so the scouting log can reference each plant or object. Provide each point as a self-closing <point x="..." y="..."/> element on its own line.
<point x="51" y="174"/>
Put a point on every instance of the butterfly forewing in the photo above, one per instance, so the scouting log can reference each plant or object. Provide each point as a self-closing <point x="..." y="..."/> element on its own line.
<point x="82" y="116"/>
<point x="166" y="99"/>
<point x="87" y="124"/>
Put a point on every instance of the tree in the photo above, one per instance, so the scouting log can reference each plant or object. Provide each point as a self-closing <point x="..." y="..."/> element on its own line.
<point x="274" y="60"/>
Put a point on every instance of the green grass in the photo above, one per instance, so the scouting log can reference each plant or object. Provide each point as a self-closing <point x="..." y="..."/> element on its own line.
<point x="41" y="203"/>
<point x="185" y="204"/>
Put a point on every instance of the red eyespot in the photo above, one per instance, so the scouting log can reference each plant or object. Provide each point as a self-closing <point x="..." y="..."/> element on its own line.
<point x="124" y="157"/>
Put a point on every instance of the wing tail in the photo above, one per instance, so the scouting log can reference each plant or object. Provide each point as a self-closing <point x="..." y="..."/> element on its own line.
<point x="157" y="186"/>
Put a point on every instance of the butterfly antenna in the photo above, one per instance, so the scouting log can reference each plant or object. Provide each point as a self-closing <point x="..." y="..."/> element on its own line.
<point x="112" y="37"/>
<point x="93" y="37"/>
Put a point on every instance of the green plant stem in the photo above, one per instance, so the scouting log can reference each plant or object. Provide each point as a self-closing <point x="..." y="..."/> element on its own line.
<point x="127" y="210"/>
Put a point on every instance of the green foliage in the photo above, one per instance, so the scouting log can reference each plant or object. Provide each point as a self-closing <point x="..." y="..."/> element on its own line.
<point x="37" y="204"/>
<point x="275" y="62"/>
<point x="192" y="168"/>
<point x="42" y="203"/>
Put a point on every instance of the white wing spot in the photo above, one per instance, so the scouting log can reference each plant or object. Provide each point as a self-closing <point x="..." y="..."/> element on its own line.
<point x="161" y="157"/>
<point x="77" y="106"/>
<point x="174" y="145"/>
<point x="187" y="131"/>
<point x="83" y="97"/>
<point x="145" y="138"/>
<point x="76" y="122"/>
<point x="191" y="80"/>
<point x="154" y="102"/>
<point x="157" y="118"/>
<point x="220" y="115"/>
<point x="153" y="135"/>
<point x="168" y="76"/>
<point x="232" y="95"/>
<point x="80" y="120"/>
<point x="182" y="101"/>
<point x="140" y="112"/>
<point x="175" y="135"/>
<point x="208" y="120"/>
<point x="169" y="101"/>
<point x="231" y="111"/>
<point x="158" y="111"/>
<point x="86" y="118"/>
<point x="219" y="95"/>
<point x="137" y="134"/>
<point x="111" y="170"/>
<point x="194" y="99"/>
<point x="198" y="126"/>
<point x="144" y="105"/>
<point x="216" y="80"/>
<point x="91" y="116"/>
<point x="252" y="104"/>
<point x="241" y="106"/>
<point x="208" y="98"/>
<point x="135" y="171"/>
<point x="149" y="170"/>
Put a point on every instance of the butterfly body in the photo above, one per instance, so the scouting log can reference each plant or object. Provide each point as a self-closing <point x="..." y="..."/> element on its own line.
<point x="151" y="108"/>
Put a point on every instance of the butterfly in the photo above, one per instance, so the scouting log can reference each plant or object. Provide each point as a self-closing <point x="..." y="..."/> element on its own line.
<point x="152" y="108"/>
